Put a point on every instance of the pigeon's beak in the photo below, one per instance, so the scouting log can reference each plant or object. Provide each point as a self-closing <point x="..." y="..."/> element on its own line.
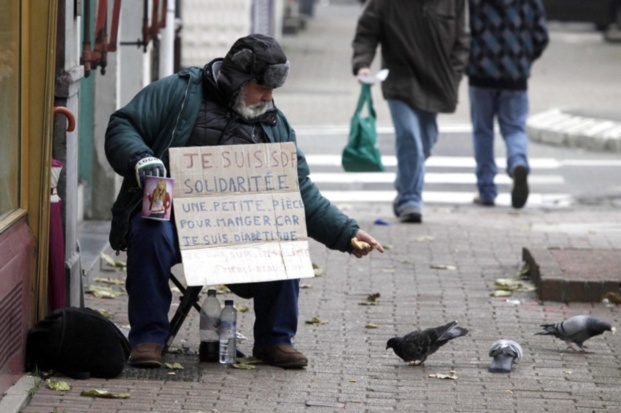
<point x="613" y="330"/>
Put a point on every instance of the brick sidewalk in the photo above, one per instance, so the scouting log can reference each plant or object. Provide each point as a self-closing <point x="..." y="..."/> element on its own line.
<point x="349" y="369"/>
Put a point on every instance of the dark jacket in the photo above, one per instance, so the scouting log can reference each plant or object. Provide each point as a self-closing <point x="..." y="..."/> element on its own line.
<point x="162" y="115"/>
<point x="507" y="36"/>
<point x="424" y="45"/>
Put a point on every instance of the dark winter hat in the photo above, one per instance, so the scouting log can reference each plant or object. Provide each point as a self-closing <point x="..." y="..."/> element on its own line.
<point x="257" y="57"/>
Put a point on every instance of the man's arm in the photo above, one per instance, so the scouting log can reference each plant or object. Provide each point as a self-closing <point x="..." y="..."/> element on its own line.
<point x="367" y="37"/>
<point x="540" y="32"/>
<point x="461" y="49"/>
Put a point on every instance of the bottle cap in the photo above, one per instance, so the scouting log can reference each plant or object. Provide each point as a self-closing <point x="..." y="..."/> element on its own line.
<point x="228" y="302"/>
<point x="211" y="292"/>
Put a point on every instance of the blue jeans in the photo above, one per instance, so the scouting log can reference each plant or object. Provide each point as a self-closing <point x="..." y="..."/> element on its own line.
<point x="511" y="109"/>
<point x="416" y="133"/>
<point x="153" y="250"/>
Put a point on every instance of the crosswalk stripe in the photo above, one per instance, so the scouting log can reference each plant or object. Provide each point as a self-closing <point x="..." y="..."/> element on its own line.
<point x="435" y="178"/>
<point x="430" y="177"/>
<point x="343" y="130"/>
<point x="435" y="161"/>
<point x="434" y="197"/>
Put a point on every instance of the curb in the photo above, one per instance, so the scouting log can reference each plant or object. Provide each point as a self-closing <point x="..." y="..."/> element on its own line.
<point x="598" y="274"/>
<point x="555" y="127"/>
<point x="17" y="395"/>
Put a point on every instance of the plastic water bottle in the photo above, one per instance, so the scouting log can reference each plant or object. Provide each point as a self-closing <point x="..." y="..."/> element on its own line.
<point x="209" y="325"/>
<point x="228" y="331"/>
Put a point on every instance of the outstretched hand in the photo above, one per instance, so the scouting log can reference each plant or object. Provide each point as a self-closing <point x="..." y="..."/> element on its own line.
<point x="366" y="243"/>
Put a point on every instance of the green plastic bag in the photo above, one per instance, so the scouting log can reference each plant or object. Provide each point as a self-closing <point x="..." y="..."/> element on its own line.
<point x="362" y="153"/>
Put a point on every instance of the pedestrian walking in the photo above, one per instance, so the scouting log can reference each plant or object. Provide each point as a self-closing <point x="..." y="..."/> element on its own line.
<point x="507" y="37"/>
<point x="424" y="45"/>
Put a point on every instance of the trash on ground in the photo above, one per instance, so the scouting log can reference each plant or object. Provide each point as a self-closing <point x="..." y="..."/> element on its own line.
<point x="104" y="394"/>
<point x="452" y="375"/>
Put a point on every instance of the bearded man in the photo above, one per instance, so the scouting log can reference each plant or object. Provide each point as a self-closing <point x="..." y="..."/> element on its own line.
<point x="227" y="102"/>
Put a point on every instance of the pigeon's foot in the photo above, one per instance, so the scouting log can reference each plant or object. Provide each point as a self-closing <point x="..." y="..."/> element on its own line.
<point x="416" y="363"/>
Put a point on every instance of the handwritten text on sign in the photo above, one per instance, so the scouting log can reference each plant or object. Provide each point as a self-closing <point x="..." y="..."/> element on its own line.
<point x="239" y="213"/>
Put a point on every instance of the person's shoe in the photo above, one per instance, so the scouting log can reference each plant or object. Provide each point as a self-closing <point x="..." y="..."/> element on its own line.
<point x="281" y="355"/>
<point x="483" y="201"/>
<point x="519" y="193"/>
<point x="146" y="355"/>
<point x="411" y="214"/>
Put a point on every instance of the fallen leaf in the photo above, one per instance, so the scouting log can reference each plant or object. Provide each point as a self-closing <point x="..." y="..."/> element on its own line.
<point x="104" y="394"/>
<point x="316" y="321"/>
<point x="442" y="267"/>
<point x="103" y="292"/>
<point x="173" y="366"/>
<point x="57" y="385"/>
<point x="243" y="366"/>
<point x="105" y="313"/>
<point x="318" y="271"/>
<point x="388" y="247"/>
<point x="513" y="284"/>
<point x="501" y="293"/>
<point x="111" y="262"/>
<point x="306" y="285"/>
<point x="613" y="297"/>
<point x="241" y="308"/>
<point x="115" y="281"/>
<point x="371" y="325"/>
<point x="222" y="289"/>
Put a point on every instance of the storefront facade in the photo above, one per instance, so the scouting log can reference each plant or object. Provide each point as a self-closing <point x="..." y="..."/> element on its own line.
<point x="27" y="53"/>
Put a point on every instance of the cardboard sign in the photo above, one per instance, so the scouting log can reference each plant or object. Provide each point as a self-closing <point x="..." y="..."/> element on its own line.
<point x="239" y="214"/>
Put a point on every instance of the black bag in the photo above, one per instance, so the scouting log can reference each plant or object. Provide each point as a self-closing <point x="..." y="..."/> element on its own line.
<point x="77" y="342"/>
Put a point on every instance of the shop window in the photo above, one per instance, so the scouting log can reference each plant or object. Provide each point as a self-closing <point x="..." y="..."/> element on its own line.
<point x="9" y="107"/>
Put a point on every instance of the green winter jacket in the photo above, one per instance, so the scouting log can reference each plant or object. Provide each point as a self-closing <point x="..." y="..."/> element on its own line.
<point x="161" y="116"/>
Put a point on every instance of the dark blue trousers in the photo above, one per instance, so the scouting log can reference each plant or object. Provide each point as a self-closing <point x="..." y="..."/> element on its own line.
<point x="153" y="249"/>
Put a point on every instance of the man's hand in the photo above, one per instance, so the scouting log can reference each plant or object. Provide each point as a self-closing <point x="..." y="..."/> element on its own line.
<point x="363" y="74"/>
<point x="364" y="243"/>
<point x="149" y="166"/>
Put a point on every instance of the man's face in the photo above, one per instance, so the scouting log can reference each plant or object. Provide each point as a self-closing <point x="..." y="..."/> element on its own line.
<point x="254" y="100"/>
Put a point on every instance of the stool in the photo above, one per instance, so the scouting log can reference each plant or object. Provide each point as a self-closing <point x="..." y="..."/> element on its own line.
<point x="189" y="299"/>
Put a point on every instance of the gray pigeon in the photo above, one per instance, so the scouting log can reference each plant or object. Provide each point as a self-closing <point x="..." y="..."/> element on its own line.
<point x="576" y="330"/>
<point x="504" y="353"/>
<point x="416" y="346"/>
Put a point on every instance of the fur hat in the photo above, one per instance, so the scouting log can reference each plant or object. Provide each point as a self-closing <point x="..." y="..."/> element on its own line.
<point x="254" y="57"/>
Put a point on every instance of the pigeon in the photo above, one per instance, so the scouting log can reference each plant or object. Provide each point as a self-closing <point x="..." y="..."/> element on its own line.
<point x="576" y="330"/>
<point x="416" y="346"/>
<point x="503" y="353"/>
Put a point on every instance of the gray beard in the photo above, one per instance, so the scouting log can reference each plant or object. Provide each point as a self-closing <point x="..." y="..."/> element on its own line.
<point x="250" y="111"/>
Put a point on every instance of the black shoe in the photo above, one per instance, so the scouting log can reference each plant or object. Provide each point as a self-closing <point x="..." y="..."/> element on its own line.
<point x="519" y="193"/>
